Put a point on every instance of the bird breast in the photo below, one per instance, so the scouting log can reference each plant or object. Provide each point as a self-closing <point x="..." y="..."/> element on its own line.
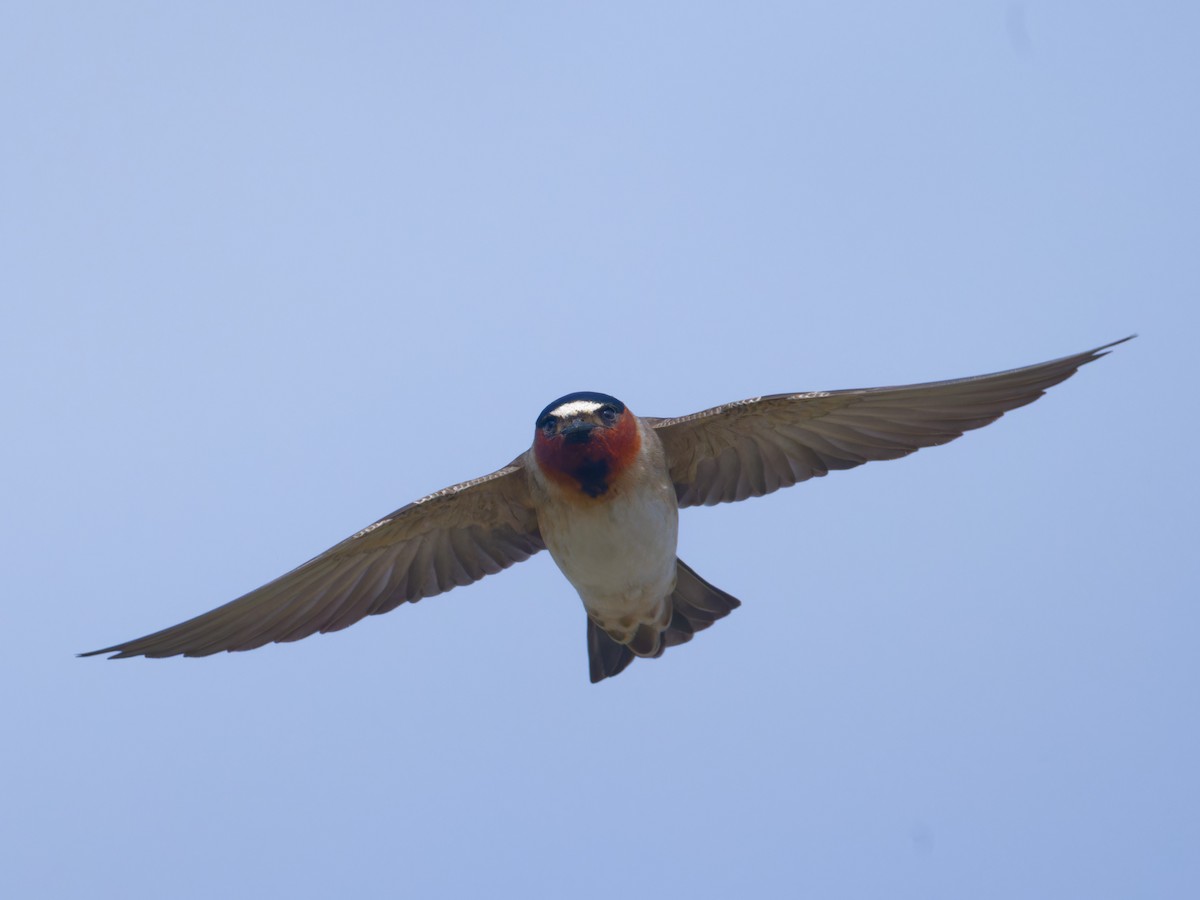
<point x="617" y="549"/>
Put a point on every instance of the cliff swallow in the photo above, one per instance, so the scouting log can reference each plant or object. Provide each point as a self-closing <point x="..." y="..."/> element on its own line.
<point x="601" y="490"/>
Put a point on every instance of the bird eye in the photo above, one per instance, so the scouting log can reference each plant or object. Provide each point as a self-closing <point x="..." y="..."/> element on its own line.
<point x="549" y="426"/>
<point x="608" y="414"/>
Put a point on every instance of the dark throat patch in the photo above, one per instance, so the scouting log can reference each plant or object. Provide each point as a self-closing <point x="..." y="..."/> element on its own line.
<point x="592" y="476"/>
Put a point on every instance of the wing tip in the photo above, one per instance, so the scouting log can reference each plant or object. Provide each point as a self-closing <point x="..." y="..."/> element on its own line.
<point x="117" y="653"/>
<point x="1106" y="349"/>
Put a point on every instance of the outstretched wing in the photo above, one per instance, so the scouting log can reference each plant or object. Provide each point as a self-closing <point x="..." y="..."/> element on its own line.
<point x="753" y="447"/>
<point x="452" y="537"/>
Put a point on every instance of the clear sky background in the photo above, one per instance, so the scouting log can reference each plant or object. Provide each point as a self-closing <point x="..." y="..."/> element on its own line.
<point x="272" y="270"/>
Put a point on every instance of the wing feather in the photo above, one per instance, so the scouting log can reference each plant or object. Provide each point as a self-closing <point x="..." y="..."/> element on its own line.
<point x="450" y="538"/>
<point x="756" y="446"/>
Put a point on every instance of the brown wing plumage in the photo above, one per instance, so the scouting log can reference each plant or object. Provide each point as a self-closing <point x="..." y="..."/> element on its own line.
<point x="450" y="538"/>
<point x="753" y="447"/>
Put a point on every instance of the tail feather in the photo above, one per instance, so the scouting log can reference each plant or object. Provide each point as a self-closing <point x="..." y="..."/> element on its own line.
<point x="606" y="657"/>
<point x="695" y="605"/>
<point x="701" y="602"/>
<point x="680" y="630"/>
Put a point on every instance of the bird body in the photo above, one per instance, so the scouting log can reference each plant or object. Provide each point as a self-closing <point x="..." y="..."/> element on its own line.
<point x="614" y="538"/>
<point x="601" y="489"/>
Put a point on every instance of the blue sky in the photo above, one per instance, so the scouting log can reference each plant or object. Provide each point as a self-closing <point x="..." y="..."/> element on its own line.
<point x="273" y="270"/>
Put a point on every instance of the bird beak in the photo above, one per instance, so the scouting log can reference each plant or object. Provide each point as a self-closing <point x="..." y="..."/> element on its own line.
<point x="578" y="432"/>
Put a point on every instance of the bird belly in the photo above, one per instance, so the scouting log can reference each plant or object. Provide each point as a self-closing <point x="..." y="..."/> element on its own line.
<point x="619" y="554"/>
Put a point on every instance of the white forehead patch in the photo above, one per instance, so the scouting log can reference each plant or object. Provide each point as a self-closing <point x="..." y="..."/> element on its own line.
<point x="575" y="408"/>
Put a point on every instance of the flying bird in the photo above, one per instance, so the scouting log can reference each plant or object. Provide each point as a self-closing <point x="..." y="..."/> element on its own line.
<point x="601" y="489"/>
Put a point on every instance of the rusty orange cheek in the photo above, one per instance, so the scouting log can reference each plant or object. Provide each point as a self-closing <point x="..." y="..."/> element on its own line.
<point x="621" y="444"/>
<point x="556" y="458"/>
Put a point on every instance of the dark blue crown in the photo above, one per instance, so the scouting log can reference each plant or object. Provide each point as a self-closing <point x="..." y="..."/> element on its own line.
<point x="580" y="395"/>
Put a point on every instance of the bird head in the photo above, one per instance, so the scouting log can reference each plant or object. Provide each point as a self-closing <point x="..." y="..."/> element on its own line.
<point x="585" y="441"/>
